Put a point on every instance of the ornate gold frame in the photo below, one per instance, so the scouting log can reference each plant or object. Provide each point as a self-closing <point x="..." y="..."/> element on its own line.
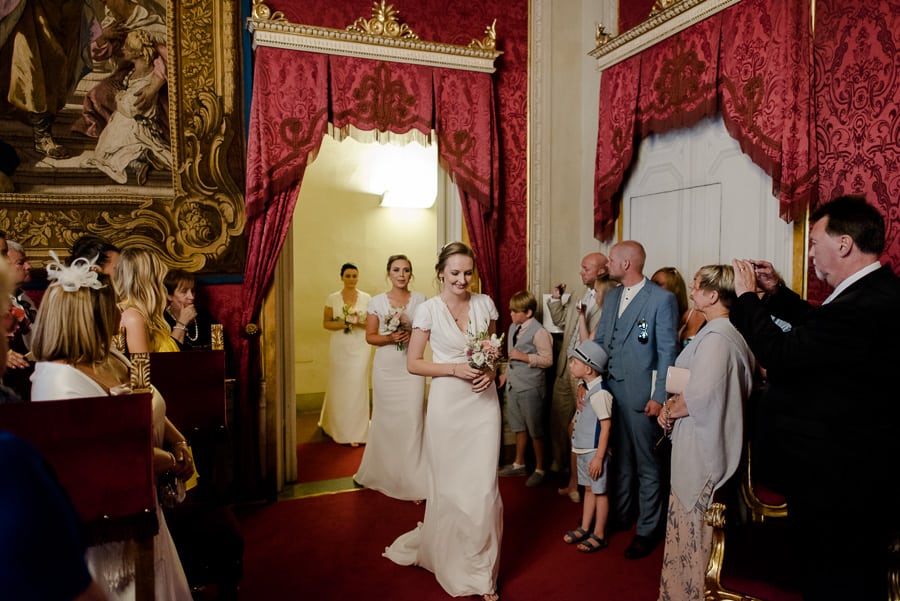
<point x="382" y="37"/>
<point x="199" y="225"/>
<point x="667" y="18"/>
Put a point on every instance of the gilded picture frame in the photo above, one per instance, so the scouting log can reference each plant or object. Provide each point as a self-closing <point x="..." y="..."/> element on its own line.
<point x="187" y="205"/>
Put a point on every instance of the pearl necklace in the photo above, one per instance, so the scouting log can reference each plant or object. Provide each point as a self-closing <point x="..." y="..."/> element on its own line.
<point x="186" y="333"/>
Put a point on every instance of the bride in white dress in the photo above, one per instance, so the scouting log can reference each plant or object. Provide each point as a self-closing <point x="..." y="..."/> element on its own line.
<point x="393" y="463"/>
<point x="459" y="539"/>
<point x="73" y="348"/>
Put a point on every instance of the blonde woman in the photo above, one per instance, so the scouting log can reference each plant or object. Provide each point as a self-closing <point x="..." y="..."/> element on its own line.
<point x="138" y="278"/>
<point x="706" y="425"/>
<point x="75" y="358"/>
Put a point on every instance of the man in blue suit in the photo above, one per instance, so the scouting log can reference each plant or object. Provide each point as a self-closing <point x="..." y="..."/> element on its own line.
<point x="639" y="331"/>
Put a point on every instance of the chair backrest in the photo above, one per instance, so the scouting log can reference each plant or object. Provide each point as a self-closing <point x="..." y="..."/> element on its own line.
<point x="193" y="385"/>
<point x="101" y="449"/>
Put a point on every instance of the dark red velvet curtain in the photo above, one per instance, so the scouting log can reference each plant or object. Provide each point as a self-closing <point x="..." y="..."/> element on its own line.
<point x="288" y="119"/>
<point x="753" y="63"/>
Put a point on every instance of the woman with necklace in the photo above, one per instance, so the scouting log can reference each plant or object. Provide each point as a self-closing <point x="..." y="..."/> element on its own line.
<point x="345" y="410"/>
<point x="706" y="424"/>
<point x="459" y="538"/>
<point x="392" y="462"/>
<point x="191" y="327"/>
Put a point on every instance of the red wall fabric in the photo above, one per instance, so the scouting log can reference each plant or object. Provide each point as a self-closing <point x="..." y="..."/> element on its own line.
<point x="857" y="95"/>
<point x="632" y="13"/>
<point x="459" y="23"/>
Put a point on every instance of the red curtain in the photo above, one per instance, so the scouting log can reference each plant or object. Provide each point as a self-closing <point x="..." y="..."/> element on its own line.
<point x="753" y="63"/>
<point x="288" y="119"/>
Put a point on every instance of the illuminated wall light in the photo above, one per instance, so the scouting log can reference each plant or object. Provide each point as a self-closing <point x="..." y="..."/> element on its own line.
<point x="407" y="199"/>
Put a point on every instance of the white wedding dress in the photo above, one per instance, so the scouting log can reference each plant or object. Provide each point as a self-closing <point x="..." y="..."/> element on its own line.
<point x="345" y="410"/>
<point x="392" y="462"/>
<point x="110" y="564"/>
<point x="459" y="539"/>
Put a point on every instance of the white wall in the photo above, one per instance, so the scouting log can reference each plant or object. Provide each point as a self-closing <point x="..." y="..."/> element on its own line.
<point x="336" y="222"/>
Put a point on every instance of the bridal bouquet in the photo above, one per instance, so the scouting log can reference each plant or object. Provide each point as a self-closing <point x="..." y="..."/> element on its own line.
<point x="483" y="351"/>
<point x="396" y="321"/>
<point x="351" y="316"/>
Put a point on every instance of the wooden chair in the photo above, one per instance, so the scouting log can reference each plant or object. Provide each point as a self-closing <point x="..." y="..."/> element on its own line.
<point x="102" y="452"/>
<point x="764" y="506"/>
<point x="205" y="530"/>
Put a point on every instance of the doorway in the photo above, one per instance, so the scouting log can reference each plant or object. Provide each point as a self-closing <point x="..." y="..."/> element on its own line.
<point x="338" y="219"/>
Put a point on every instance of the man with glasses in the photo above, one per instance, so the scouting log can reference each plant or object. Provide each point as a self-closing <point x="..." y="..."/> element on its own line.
<point x="831" y="402"/>
<point x="639" y="331"/>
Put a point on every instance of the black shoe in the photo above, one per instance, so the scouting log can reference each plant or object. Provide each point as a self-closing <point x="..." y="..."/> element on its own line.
<point x="641" y="546"/>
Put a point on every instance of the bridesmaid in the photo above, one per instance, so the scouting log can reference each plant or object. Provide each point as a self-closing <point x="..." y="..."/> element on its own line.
<point x="345" y="410"/>
<point x="392" y="462"/>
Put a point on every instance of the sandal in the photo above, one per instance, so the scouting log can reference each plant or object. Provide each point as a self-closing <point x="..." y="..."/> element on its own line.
<point x="575" y="536"/>
<point x="586" y="546"/>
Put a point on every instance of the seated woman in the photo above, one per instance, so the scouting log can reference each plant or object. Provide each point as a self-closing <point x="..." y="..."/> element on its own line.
<point x="139" y="278"/>
<point x="73" y="347"/>
<point x="191" y="327"/>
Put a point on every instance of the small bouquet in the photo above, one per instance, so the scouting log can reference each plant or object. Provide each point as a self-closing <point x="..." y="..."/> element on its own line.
<point x="396" y="321"/>
<point x="351" y="316"/>
<point x="483" y="351"/>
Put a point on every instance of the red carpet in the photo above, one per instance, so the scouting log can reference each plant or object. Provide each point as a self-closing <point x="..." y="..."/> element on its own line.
<point x="329" y="548"/>
<point x="326" y="461"/>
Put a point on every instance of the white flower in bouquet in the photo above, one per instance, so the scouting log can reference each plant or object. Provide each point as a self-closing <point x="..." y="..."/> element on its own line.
<point x="484" y="351"/>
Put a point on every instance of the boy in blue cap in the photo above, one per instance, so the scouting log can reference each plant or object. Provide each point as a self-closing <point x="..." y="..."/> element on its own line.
<point x="590" y="442"/>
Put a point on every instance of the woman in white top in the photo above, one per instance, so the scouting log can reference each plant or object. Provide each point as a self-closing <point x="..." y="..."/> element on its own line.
<point x="73" y="347"/>
<point x="392" y="462"/>
<point x="459" y="539"/>
<point x="345" y="410"/>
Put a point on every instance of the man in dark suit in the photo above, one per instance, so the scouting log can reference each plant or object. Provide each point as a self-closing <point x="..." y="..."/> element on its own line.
<point x="639" y="331"/>
<point x="831" y="400"/>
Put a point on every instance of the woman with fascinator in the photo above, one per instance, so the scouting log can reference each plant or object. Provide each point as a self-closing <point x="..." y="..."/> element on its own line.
<point x="73" y="347"/>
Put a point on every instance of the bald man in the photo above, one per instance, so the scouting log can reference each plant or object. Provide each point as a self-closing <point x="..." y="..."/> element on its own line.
<point x="639" y="331"/>
<point x="578" y="317"/>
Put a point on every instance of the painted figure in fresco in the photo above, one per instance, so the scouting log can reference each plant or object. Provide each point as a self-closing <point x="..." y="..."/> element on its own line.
<point x="41" y="60"/>
<point x="120" y="18"/>
<point x="134" y="137"/>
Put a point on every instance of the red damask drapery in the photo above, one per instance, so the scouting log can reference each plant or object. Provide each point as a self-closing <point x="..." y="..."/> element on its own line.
<point x="296" y="94"/>
<point x="751" y="62"/>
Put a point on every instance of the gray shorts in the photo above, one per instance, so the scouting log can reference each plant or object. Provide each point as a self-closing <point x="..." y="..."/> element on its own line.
<point x="525" y="411"/>
<point x="598" y="486"/>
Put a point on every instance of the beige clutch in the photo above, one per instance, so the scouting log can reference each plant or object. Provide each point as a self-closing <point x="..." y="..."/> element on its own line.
<point x="676" y="379"/>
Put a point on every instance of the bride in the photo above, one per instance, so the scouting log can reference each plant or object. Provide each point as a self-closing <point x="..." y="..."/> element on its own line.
<point x="459" y="539"/>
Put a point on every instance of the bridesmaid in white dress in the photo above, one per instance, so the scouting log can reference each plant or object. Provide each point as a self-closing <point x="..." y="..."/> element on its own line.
<point x="345" y="410"/>
<point x="459" y="539"/>
<point x="75" y="359"/>
<point x="392" y="462"/>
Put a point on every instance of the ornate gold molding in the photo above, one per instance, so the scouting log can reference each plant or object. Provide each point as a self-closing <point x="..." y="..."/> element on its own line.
<point x="671" y="17"/>
<point x="382" y="37"/>
<point x="195" y="222"/>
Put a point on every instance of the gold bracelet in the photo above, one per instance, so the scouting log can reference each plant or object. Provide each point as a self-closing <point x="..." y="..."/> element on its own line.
<point x="184" y="442"/>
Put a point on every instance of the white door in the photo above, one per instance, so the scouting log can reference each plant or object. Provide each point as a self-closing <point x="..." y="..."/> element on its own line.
<point x="693" y="198"/>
